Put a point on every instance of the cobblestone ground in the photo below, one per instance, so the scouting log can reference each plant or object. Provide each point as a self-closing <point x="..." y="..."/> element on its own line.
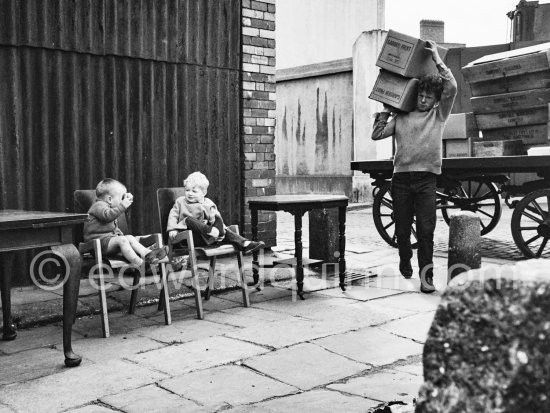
<point x="362" y="237"/>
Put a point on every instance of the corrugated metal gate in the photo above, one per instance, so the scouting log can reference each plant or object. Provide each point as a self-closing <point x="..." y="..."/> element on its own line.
<point x="145" y="91"/>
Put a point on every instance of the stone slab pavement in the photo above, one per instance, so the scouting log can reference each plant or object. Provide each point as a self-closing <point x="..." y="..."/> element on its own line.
<point x="335" y="351"/>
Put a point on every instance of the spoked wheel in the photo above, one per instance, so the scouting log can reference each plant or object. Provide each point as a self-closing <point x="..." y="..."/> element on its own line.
<point x="531" y="224"/>
<point x="480" y="197"/>
<point x="382" y="213"/>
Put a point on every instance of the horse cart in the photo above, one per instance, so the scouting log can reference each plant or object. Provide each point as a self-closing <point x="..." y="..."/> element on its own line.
<point x="477" y="185"/>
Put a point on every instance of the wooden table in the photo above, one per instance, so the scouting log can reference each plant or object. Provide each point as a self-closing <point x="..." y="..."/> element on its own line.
<point x="21" y="230"/>
<point x="298" y="205"/>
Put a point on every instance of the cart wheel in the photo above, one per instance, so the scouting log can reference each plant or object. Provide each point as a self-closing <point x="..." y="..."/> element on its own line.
<point x="531" y="223"/>
<point x="480" y="197"/>
<point x="382" y="213"/>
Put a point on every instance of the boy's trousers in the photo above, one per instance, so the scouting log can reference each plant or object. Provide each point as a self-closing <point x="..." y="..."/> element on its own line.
<point x="200" y="234"/>
<point x="414" y="195"/>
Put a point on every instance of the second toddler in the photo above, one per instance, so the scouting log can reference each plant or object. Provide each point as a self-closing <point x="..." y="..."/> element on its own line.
<point x="195" y="212"/>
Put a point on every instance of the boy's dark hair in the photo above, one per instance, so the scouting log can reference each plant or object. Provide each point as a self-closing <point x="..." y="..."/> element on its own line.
<point x="106" y="186"/>
<point x="432" y="83"/>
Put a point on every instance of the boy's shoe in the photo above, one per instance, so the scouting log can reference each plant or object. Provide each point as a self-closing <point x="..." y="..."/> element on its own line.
<point x="405" y="268"/>
<point x="253" y="247"/>
<point x="155" y="255"/>
<point x="427" y="284"/>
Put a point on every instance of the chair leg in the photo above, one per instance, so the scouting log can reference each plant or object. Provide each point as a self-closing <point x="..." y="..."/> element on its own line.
<point x="171" y="263"/>
<point x="161" y="300"/>
<point x="210" y="283"/>
<point x="164" y="295"/>
<point x="133" y="297"/>
<point x="103" y="304"/>
<point x="196" y="286"/>
<point x="244" y="285"/>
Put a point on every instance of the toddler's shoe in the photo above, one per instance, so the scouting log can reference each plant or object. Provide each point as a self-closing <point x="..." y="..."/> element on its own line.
<point x="155" y="255"/>
<point x="405" y="268"/>
<point x="253" y="247"/>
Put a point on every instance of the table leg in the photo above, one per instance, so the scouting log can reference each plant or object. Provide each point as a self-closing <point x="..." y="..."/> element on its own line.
<point x="298" y="253"/>
<point x="71" y="286"/>
<point x="255" y="262"/>
<point x="8" y="330"/>
<point x="342" y="246"/>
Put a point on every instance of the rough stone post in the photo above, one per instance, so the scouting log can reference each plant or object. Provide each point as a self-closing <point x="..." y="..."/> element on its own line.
<point x="464" y="241"/>
<point x="323" y="234"/>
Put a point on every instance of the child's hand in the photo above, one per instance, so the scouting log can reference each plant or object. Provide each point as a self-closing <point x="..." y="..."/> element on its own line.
<point x="172" y="234"/>
<point x="127" y="200"/>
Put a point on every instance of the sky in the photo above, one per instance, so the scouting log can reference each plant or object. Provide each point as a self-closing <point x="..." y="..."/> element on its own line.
<point x="474" y="22"/>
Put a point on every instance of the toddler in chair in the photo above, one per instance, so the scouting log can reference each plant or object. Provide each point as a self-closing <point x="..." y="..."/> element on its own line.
<point x="112" y="201"/>
<point x="195" y="212"/>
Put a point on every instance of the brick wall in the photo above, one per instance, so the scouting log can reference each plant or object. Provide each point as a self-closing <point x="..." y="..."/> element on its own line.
<point x="258" y="88"/>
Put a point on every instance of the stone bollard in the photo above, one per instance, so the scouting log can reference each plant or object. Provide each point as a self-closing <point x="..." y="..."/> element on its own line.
<point x="487" y="348"/>
<point x="464" y="240"/>
<point x="323" y="234"/>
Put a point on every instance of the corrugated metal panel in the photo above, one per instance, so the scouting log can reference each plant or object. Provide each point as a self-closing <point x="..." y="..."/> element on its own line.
<point x="143" y="91"/>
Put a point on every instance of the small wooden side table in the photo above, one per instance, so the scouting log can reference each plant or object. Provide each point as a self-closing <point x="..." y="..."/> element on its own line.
<point x="298" y="205"/>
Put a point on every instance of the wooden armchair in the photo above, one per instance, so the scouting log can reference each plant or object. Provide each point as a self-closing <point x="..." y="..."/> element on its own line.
<point x="166" y="197"/>
<point x="91" y="250"/>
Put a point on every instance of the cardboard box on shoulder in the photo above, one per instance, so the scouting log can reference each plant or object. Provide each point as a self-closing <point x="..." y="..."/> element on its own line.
<point x="522" y="117"/>
<point x="394" y="90"/>
<point x="460" y="126"/>
<point x="407" y="56"/>
<point x="506" y="64"/>
<point x="503" y="102"/>
<point x="527" y="81"/>
<point x="529" y="135"/>
<point x="458" y="148"/>
<point x="498" y="148"/>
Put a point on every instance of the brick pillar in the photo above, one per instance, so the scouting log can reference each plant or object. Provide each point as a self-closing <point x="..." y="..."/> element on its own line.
<point x="258" y="129"/>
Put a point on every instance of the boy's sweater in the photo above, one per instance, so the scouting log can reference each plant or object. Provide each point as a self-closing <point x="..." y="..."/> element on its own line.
<point x="102" y="221"/>
<point x="418" y="135"/>
<point x="182" y="209"/>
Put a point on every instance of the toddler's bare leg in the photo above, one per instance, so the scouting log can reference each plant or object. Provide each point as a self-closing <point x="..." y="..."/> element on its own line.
<point x="137" y="246"/>
<point x="123" y="245"/>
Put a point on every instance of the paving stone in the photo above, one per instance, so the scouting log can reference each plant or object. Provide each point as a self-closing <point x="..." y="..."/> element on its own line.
<point x="226" y="386"/>
<point x="314" y="306"/>
<point x="415" y="327"/>
<point x="117" y="346"/>
<point x="183" y="331"/>
<point x="151" y="399"/>
<point x="91" y="302"/>
<point x="215" y="303"/>
<point x="36" y="337"/>
<point x="284" y="333"/>
<point x="246" y="317"/>
<point x="412" y="301"/>
<point x="267" y="293"/>
<point x="40" y="312"/>
<point x="31" y="294"/>
<point x="119" y="323"/>
<point x="361" y="293"/>
<point x="77" y="386"/>
<point x="5" y="409"/>
<point x="305" y="366"/>
<point x="371" y="345"/>
<point x="359" y="314"/>
<point x="385" y="386"/>
<point x="27" y="365"/>
<point x="198" y="354"/>
<point x="412" y="368"/>
<point x="178" y="310"/>
<point x="91" y="408"/>
<point x="319" y="401"/>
